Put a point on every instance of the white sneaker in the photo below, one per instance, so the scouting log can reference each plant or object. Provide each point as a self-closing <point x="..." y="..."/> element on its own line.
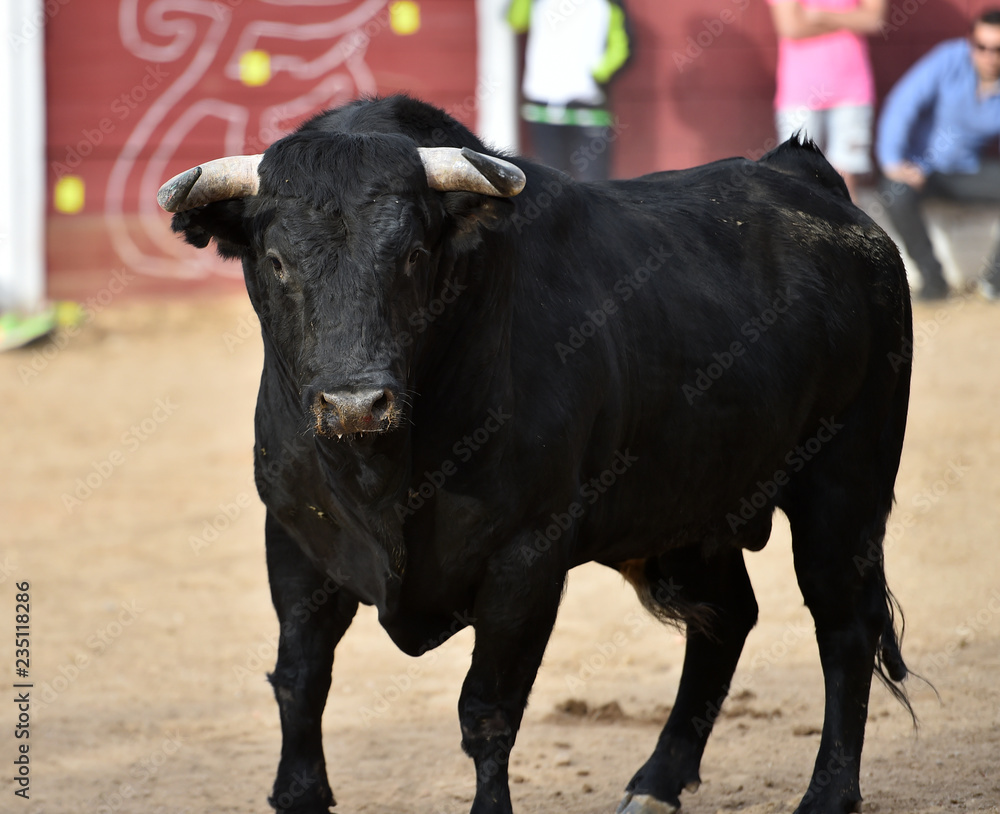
<point x="990" y="291"/>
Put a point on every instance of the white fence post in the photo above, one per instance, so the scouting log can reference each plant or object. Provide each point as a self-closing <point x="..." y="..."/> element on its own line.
<point x="22" y="154"/>
<point x="496" y="85"/>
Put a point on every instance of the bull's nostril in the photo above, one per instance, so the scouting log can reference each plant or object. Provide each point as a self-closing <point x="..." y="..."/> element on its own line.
<point x="382" y="405"/>
<point x="352" y="411"/>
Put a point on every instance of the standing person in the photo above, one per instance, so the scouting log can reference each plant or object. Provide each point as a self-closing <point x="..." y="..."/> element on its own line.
<point x="825" y="85"/>
<point x="573" y="51"/>
<point x="934" y="126"/>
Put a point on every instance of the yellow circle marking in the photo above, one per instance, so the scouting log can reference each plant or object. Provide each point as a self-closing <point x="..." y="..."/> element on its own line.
<point x="69" y="195"/>
<point x="255" y="68"/>
<point x="404" y="17"/>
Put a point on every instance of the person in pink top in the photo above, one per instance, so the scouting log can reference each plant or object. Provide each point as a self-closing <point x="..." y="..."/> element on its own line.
<point x="824" y="84"/>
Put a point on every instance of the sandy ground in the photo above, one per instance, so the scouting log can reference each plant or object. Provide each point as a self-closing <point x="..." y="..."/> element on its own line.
<point x="127" y="504"/>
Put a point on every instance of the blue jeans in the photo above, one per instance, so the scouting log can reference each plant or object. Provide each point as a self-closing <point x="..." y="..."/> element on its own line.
<point x="906" y="213"/>
<point x="582" y="152"/>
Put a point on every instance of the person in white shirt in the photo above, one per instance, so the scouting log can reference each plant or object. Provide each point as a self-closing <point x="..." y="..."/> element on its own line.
<point x="572" y="52"/>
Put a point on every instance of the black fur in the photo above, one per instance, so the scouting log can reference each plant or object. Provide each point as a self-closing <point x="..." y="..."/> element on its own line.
<point x="636" y="373"/>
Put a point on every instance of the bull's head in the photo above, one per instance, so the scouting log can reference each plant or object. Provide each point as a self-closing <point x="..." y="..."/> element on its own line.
<point x="343" y="237"/>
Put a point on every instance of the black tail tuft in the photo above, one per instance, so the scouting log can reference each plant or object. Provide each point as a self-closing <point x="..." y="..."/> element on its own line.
<point x="889" y="665"/>
<point x="890" y="657"/>
<point x="800" y="157"/>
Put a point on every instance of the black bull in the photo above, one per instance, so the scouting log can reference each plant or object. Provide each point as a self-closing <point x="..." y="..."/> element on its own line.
<point x="466" y="394"/>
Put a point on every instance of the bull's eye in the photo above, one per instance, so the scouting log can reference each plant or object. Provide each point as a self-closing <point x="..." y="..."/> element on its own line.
<point x="276" y="265"/>
<point x="411" y="261"/>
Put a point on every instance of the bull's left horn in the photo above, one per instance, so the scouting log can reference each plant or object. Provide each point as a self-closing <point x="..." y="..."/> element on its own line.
<point x="218" y="180"/>
<point x="450" y="169"/>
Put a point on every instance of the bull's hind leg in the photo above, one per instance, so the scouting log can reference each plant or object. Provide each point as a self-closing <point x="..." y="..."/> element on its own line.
<point x="314" y="613"/>
<point x="837" y="531"/>
<point x="714" y="597"/>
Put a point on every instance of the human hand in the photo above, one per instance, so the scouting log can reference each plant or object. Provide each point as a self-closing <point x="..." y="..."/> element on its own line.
<point x="907" y="173"/>
<point x="811" y="15"/>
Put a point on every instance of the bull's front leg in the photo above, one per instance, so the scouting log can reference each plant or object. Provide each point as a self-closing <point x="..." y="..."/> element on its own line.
<point x="514" y="612"/>
<point x="314" y="612"/>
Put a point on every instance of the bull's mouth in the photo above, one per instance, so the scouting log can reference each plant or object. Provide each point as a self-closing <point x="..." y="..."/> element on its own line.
<point x="356" y="412"/>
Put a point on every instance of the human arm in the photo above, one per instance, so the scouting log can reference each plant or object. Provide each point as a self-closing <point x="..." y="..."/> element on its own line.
<point x="913" y="94"/>
<point x="795" y="22"/>
<point x="616" y="52"/>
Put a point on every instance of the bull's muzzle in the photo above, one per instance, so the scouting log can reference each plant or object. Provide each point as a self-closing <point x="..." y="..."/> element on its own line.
<point x="354" y="411"/>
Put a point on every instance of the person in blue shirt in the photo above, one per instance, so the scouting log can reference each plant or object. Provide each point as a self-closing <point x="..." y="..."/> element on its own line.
<point x="934" y="127"/>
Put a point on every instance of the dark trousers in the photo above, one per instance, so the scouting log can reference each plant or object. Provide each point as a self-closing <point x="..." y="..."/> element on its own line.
<point x="904" y="207"/>
<point x="582" y="152"/>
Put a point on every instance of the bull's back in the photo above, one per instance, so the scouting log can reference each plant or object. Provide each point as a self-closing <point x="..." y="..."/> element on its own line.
<point x="705" y="322"/>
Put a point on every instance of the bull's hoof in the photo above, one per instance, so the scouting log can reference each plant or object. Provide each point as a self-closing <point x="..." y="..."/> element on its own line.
<point x="855" y="808"/>
<point x="644" y="804"/>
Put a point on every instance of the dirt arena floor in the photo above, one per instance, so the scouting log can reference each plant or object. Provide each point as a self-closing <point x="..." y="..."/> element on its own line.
<point x="127" y="504"/>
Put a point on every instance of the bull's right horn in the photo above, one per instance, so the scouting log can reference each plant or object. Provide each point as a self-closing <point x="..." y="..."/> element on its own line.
<point x="218" y="180"/>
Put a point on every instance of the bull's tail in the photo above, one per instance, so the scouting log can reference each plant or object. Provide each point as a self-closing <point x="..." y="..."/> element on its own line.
<point x="889" y="665"/>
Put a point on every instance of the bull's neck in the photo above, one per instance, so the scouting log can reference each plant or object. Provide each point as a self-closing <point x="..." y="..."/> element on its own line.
<point x="462" y="367"/>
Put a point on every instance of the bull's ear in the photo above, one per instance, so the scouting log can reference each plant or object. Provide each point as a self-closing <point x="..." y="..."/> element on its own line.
<point x="471" y="213"/>
<point x="222" y="221"/>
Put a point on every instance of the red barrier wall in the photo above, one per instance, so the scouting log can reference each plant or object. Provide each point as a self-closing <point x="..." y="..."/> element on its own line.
<point x="141" y="89"/>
